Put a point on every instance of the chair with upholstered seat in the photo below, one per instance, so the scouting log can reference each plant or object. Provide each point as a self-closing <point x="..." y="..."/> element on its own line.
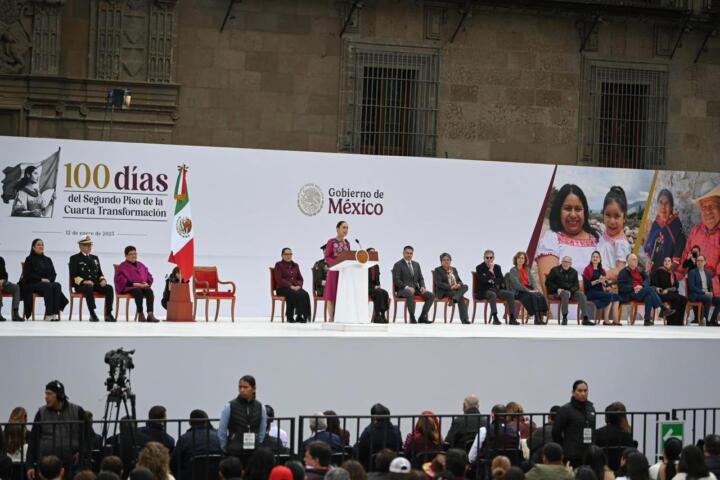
<point x="206" y="286"/>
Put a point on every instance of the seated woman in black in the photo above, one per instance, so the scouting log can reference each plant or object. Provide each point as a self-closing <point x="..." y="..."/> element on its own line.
<point x="39" y="277"/>
<point x="663" y="280"/>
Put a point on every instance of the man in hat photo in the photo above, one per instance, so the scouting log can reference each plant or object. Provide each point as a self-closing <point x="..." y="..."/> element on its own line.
<point x="87" y="278"/>
<point x="706" y="234"/>
<point x="58" y="429"/>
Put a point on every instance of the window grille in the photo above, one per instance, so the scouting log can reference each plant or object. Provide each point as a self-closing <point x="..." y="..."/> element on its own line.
<point x="392" y="101"/>
<point x="626" y="118"/>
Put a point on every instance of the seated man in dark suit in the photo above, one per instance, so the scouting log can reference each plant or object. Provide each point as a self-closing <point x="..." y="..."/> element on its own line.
<point x="155" y="427"/>
<point x="563" y="283"/>
<point x="464" y="428"/>
<point x="200" y="439"/>
<point x="318" y="425"/>
<point x="379" y="296"/>
<point x="634" y="284"/>
<point x="700" y="289"/>
<point x="448" y="284"/>
<point x="408" y="282"/>
<point x="87" y="278"/>
<point x="491" y="286"/>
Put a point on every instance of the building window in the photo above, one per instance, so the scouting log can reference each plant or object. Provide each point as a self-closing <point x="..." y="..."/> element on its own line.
<point x="392" y="96"/>
<point x="626" y="117"/>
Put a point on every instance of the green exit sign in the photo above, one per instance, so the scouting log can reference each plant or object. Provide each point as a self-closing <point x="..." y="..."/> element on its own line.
<point x="671" y="429"/>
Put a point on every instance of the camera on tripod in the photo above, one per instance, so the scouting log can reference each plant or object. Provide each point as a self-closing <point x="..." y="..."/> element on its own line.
<point x="120" y="362"/>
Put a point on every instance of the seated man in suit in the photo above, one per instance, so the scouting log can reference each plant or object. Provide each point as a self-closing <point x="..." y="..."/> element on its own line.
<point x="11" y="288"/>
<point x="408" y="281"/>
<point x="700" y="289"/>
<point x="448" y="284"/>
<point x="562" y="283"/>
<point x="318" y="425"/>
<point x="491" y="286"/>
<point x="379" y="296"/>
<point x="634" y="284"/>
<point x="87" y="278"/>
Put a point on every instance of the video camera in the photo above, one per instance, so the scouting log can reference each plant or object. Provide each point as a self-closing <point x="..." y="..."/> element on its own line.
<point x="120" y="361"/>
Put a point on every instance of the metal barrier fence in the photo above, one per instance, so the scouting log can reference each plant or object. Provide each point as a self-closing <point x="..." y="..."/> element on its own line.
<point x="699" y="422"/>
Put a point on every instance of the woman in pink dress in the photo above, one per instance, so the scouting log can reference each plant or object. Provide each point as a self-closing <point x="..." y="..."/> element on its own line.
<point x="333" y="248"/>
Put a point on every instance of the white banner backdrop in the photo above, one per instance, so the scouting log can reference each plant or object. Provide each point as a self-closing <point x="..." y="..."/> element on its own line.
<point x="249" y="204"/>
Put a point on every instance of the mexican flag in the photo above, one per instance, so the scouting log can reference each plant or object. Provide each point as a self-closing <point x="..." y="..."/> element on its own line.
<point x="183" y="246"/>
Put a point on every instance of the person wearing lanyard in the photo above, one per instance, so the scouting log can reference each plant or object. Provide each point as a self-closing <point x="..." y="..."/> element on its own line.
<point x="574" y="424"/>
<point x="243" y="421"/>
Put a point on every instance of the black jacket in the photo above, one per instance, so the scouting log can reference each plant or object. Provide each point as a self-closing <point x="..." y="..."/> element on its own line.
<point x="625" y="283"/>
<point x="3" y="272"/>
<point x="464" y="428"/>
<point x="488" y="280"/>
<point x="558" y="278"/>
<point x="615" y="439"/>
<point x="376" y="436"/>
<point x="157" y="433"/>
<point x="85" y="267"/>
<point x="36" y="268"/>
<point x="195" y="441"/>
<point x="373" y="277"/>
<point x="570" y="421"/>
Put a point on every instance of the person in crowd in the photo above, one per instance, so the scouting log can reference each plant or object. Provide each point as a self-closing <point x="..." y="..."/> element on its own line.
<point x="464" y="428"/>
<point x="498" y="435"/>
<point x="275" y="430"/>
<point x="613" y="244"/>
<point x="408" y="282"/>
<point x="318" y="427"/>
<point x="711" y="449"/>
<point x="456" y="462"/>
<point x="242" y="416"/>
<point x="355" y="469"/>
<point x="426" y="437"/>
<point x="379" y="296"/>
<point x="519" y="421"/>
<point x="634" y="284"/>
<point x="399" y="469"/>
<point x="692" y="465"/>
<point x="230" y="468"/>
<point x="134" y="278"/>
<point x="334" y="247"/>
<point x="155" y="427"/>
<point x="317" y="460"/>
<point x="67" y="441"/>
<point x="273" y="443"/>
<point x="701" y="289"/>
<point x="690" y="262"/>
<point x="297" y="468"/>
<point x="666" y="237"/>
<point x="90" y="475"/>
<point x="552" y="467"/>
<point x="260" y="464"/>
<point x="515" y="473"/>
<point x="128" y="442"/>
<point x="499" y="467"/>
<point x="491" y="286"/>
<point x="12" y="289"/>
<point x="522" y="283"/>
<point x="49" y="468"/>
<point x="381" y="467"/>
<point x="289" y="283"/>
<point x="280" y="472"/>
<point x="706" y="234"/>
<point x="626" y="452"/>
<point x="333" y="426"/>
<point x="39" y="277"/>
<point x="562" y="283"/>
<point x="338" y="473"/>
<point x="96" y="440"/>
<point x="597" y="285"/>
<point x="615" y="435"/>
<point x="664" y="281"/>
<point x="29" y="200"/>
<point x="156" y="458"/>
<point x="637" y="467"/>
<point x="113" y="464"/>
<point x="542" y="436"/>
<point x="200" y="439"/>
<point x="667" y="467"/>
<point x="174" y="277"/>
<point x="381" y="433"/>
<point x="570" y="232"/>
<point x="594" y="457"/>
<point x="575" y="424"/>
<point x="87" y="278"/>
<point x="15" y="436"/>
<point x="585" y="473"/>
<point x="446" y="280"/>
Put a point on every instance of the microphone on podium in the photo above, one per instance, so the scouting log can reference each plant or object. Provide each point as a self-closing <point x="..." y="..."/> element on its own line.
<point x="359" y="245"/>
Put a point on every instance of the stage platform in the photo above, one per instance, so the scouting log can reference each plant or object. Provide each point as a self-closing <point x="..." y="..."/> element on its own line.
<point x="306" y="368"/>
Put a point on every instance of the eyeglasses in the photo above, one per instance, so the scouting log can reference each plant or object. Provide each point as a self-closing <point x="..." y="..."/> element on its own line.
<point x="489" y="258"/>
<point x="287" y="253"/>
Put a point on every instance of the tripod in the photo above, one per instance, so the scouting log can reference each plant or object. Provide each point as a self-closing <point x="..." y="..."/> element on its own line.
<point x="117" y="398"/>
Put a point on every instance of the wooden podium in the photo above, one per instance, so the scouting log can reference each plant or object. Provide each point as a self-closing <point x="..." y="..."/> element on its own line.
<point x="180" y="308"/>
<point x="351" y="304"/>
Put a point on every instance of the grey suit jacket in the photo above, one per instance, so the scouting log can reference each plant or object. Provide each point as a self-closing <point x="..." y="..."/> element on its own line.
<point x="403" y="277"/>
<point x="515" y="284"/>
<point x="441" y="282"/>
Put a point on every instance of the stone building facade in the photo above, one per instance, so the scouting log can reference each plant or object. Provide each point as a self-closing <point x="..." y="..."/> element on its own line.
<point x="573" y="82"/>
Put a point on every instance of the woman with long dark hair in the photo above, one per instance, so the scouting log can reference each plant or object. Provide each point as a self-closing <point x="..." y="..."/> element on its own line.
<point x="666" y="237"/>
<point x="39" y="277"/>
<point x="666" y="284"/>
<point x="597" y="289"/>
<point x="637" y="467"/>
<point x="16" y="435"/>
<point x="29" y="200"/>
<point x="570" y="232"/>
<point x="692" y="465"/>
<point x="595" y="459"/>
<point x="334" y="247"/>
<point x="667" y="468"/>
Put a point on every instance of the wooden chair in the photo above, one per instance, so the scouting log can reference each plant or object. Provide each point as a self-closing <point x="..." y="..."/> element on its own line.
<point x="77" y="295"/>
<point x="34" y="297"/>
<point x="397" y="299"/>
<point x="387" y="312"/>
<point x="445" y="301"/>
<point x="551" y="300"/>
<point x="634" y="305"/>
<point x="690" y="305"/>
<point x="206" y="285"/>
<point x="318" y="298"/>
<point x="275" y="297"/>
<point x="124" y="296"/>
<point x="476" y="301"/>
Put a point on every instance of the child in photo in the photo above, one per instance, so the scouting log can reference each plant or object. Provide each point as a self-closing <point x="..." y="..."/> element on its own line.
<point x="613" y="245"/>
